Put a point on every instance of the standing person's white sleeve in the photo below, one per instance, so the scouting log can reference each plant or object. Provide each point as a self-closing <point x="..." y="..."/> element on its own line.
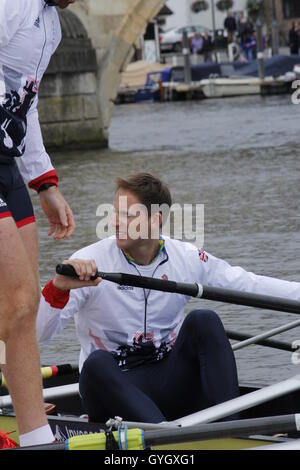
<point x="12" y="15"/>
<point x="56" y="309"/>
<point x="35" y="165"/>
<point x="215" y="272"/>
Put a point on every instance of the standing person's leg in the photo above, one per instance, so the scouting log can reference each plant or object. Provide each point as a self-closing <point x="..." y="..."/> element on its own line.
<point x="200" y="371"/>
<point x="19" y="299"/>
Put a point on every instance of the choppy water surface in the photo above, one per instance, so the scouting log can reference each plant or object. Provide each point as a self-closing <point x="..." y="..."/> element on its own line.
<point x="241" y="158"/>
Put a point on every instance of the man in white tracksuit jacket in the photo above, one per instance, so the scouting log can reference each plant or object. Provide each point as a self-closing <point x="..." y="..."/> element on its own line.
<point x="29" y="34"/>
<point x="140" y="357"/>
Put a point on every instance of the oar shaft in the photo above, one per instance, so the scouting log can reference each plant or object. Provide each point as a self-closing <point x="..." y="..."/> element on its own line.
<point x="49" y="371"/>
<point x="251" y="300"/>
<point x="241" y="403"/>
<point x="55" y="446"/>
<point x="270" y="343"/>
<point x="48" y="394"/>
<point x="267" y="334"/>
<point x="148" y="283"/>
<point x="269" y="425"/>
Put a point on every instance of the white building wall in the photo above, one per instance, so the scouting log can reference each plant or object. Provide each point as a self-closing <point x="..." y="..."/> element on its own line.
<point x="183" y="14"/>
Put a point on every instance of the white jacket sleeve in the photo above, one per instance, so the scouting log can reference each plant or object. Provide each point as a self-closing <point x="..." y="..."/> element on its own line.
<point x="35" y="165"/>
<point x="56" y="309"/>
<point x="215" y="272"/>
<point x="11" y="18"/>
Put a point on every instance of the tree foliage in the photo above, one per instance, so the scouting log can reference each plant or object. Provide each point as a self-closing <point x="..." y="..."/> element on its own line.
<point x="255" y="9"/>
<point x="200" y="5"/>
<point x="224" y="5"/>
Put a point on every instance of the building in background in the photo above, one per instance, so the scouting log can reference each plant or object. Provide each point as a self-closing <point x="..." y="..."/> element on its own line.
<point x="183" y="14"/>
<point x="286" y="11"/>
<point x="150" y="48"/>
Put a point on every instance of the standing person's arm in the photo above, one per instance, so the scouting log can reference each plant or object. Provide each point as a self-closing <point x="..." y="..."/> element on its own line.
<point x="37" y="170"/>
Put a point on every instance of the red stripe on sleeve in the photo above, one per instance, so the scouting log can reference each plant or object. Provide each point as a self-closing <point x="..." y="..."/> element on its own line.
<point x="49" y="177"/>
<point x="55" y="297"/>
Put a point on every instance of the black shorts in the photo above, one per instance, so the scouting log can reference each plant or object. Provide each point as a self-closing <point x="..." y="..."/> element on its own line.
<point x="14" y="198"/>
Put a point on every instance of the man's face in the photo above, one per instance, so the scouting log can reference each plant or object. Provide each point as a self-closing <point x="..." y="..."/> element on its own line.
<point x="131" y="221"/>
<point x="63" y="3"/>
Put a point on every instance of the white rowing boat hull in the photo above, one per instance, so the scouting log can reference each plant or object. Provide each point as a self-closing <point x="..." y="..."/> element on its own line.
<point x="222" y="87"/>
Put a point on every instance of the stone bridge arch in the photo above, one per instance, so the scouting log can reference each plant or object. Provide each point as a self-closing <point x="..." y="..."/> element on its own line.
<point x="78" y="93"/>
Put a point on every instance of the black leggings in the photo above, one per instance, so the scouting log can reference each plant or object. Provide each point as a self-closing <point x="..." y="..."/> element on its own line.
<point x="14" y="198"/>
<point x="199" y="372"/>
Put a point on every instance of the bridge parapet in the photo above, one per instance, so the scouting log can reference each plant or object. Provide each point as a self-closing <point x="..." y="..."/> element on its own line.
<point x="78" y="93"/>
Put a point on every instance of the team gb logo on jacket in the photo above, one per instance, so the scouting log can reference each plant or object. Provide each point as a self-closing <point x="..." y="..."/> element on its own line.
<point x="203" y="256"/>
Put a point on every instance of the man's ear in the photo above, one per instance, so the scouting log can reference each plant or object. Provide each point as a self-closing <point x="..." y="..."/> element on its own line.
<point x="157" y="219"/>
<point x="160" y="219"/>
<point x="156" y="224"/>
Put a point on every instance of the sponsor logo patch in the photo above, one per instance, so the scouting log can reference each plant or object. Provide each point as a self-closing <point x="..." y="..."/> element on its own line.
<point x="203" y="256"/>
<point x="2" y="203"/>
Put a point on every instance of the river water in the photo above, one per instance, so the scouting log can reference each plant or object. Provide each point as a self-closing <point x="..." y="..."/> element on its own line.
<point x="241" y="158"/>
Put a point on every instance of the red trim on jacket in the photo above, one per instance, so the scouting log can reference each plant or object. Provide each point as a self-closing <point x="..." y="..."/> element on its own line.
<point x="49" y="177"/>
<point x="55" y="297"/>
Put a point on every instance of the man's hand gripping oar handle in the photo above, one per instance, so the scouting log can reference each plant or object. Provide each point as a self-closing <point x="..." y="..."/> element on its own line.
<point x="69" y="271"/>
<point x="192" y="290"/>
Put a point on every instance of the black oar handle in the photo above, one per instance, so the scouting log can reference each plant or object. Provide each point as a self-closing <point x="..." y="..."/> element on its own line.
<point x="68" y="270"/>
<point x="190" y="290"/>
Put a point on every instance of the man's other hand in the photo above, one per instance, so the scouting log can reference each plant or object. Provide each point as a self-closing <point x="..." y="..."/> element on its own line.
<point x="58" y="213"/>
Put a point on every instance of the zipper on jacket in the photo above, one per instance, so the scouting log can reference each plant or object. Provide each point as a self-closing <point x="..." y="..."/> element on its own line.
<point x="44" y="45"/>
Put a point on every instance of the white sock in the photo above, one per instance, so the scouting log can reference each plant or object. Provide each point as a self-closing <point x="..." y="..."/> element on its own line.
<point x="37" y="437"/>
